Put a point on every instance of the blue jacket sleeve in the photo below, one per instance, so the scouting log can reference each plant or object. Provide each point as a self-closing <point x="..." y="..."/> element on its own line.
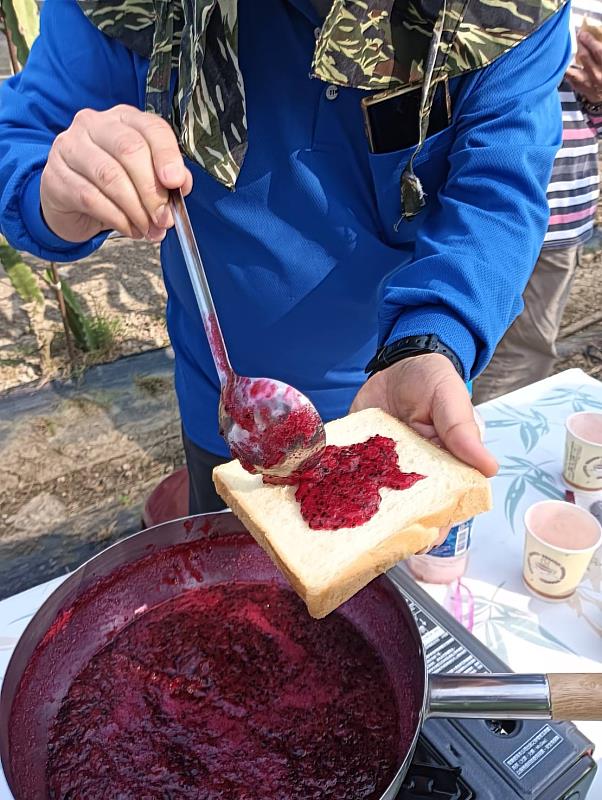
<point x="71" y="66"/>
<point x="477" y="248"/>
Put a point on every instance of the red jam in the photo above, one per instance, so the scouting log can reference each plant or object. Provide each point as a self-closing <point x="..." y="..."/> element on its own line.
<point x="230" y="692"/>
<point x="343" y="489"/>
<point x="216" y="342"/>
<point x="297" y="429"/>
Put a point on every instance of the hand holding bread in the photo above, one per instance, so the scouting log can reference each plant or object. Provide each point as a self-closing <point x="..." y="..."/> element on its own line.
<point x="427" y="394"/>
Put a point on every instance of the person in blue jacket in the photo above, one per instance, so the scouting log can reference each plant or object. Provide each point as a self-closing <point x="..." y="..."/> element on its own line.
<point x="336" y="231"/>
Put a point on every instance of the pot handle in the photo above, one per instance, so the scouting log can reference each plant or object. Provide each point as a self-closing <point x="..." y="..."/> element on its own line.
<point x="488" y="696"/>
<point x="576" y="695"/>
<point x="566" y="696"/>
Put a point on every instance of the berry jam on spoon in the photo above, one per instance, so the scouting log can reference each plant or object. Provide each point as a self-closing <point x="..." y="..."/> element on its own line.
<point x="268" y="425"/>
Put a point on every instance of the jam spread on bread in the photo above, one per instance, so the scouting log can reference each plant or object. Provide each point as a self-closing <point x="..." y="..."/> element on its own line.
<point x="343" y="489"/>
<point x="232" y="691"/>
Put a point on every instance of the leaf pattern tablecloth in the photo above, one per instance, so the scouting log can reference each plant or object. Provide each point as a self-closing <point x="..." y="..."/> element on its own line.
<point x="525" y="430"/>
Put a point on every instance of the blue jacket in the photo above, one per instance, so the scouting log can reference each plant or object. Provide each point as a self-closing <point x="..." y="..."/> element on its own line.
<point x="307" y="271"/>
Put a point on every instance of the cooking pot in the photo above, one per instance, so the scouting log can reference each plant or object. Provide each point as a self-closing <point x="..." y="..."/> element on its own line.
<point x="33" y="688"/>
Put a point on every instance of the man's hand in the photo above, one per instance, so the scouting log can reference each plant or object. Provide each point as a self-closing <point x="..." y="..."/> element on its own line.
<point x="427" y="393"/>
<point x="111" y="170"/>
<point x="587" y="81"/>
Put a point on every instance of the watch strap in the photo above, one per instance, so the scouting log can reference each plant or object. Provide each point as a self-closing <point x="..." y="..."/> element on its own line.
<point x="410" y="346"/>
<point x="591" y="108"/>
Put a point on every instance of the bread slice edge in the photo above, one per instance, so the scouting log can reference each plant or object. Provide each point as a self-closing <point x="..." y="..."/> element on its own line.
<point x="322" y="598"/>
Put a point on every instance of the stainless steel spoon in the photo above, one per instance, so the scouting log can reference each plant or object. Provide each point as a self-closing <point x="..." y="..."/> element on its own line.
<point x="270" y="426"/>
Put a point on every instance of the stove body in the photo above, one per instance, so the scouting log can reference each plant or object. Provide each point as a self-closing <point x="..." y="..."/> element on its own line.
<point x="486" y="759"/>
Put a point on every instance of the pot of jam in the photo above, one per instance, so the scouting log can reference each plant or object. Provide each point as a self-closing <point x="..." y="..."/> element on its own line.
<point x="178" y="663"/>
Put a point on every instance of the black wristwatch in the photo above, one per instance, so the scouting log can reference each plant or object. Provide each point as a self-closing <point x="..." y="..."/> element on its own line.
<point x="591" y="108"/>
<point x="412" y="346"/>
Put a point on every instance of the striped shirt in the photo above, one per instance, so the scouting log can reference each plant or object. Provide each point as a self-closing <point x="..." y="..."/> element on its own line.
<point x="574" y="185"/>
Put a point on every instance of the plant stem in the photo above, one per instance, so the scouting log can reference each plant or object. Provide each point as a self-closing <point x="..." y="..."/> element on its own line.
<point x="61" y="301"/>
<point x="12" y="50"/>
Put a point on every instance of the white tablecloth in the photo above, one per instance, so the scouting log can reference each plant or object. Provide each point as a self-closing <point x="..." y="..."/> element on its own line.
<point x="525" y="430"/>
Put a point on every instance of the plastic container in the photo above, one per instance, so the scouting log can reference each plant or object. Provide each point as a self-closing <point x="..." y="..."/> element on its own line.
<point x="448" y="561"/>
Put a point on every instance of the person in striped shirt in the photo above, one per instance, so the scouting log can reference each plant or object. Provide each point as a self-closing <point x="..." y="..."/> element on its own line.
<point x="528" y="350"/>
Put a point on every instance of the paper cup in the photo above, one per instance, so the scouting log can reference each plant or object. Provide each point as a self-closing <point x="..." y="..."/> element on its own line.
<point x="560" y="540"/>
<point x="583" y="451"/>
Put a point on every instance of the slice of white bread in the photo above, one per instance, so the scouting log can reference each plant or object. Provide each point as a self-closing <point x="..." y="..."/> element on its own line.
<point x="327" y="567"/>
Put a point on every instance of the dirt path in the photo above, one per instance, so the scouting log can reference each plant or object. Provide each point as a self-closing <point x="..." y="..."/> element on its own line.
<point x="122" y="283"/>
<point x="78" y="462"/>
<point x="583" y="348"/>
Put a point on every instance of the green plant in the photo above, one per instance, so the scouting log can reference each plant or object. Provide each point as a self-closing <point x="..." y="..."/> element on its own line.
<point x="104" y="331"/>
<point x="20" y="274"/>
<point x="45" y="425"/>
<point x="91" y="332"/>
<point x="78" y="321"/>
<point x="20" y="19"/>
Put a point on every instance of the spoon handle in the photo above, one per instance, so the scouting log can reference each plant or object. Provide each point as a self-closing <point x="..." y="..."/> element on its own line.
<point x="196" y="271"/>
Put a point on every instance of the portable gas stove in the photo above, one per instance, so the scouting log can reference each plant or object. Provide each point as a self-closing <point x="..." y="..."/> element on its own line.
<point x="486" y="759"/>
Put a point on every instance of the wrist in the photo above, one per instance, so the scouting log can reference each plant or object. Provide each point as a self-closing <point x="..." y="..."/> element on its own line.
<point x="50" y="223"/>
<point x="411" y="347"/>
<point x="45" y="212"/>
<point x="44" y="219"/>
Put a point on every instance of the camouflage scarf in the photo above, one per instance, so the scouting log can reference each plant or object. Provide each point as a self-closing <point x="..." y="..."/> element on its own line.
<point x="378" y="45"/>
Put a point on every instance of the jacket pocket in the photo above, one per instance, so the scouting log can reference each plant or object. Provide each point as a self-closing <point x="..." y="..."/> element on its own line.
<point x="431" y="167"/>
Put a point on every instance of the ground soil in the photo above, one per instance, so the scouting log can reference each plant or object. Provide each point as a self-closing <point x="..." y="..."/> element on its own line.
<point x="78" y="458"/>
<point x="583" y="348"/>
<point x="121" y="283"/>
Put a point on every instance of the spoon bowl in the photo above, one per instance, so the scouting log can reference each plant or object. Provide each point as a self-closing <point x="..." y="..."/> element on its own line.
<point x="271" y="427"/>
